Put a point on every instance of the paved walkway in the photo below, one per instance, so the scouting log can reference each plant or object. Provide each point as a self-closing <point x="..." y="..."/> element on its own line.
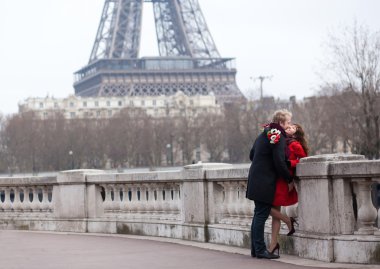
<point x="21" y="250"/>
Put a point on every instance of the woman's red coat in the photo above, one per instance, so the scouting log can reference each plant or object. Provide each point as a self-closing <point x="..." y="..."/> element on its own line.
<point x="282" y="196"/>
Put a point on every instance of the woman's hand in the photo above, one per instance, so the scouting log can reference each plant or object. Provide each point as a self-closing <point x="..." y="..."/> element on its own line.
<point x="291" y="186"/>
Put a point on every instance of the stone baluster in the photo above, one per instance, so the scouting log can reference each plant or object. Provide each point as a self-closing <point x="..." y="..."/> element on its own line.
<point x="151" y="200"/>
<point x="231" y="201"/>
<point x="45" y="200"/>
<point x="36" y="201"/>
<point x="107" y="204"/>
<point x="134" y="201"/>
<point x="1" y="202"/>
<point x="366" y="211"/>
<point x="27" y="203"/>
<point x="247" y="205"/>
<point x="175" y="204"/>
<point x="143" y="199"/>
<point x="378" y="213"/>
<point x="223" y="207"/>
<point x="17" y="205"/>
<point x="155" y="200"/>
<point x="125" y="203"/>
<point x="116" y="200"/>
<point x="166" y="200"/>
<point x="160" y="200"/>
<point x="138" y="202"/>
<point x="121" y="199"/>
<point x="7" y="205"/>
<point x="51" y="205"/>
<point x="242" y="201"/>
<point x="33" y="202"/>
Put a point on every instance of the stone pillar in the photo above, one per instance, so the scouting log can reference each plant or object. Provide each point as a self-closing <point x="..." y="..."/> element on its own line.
<point x="325" y="197"/>
<point x="193" y="192"/>
<point x="73" y="203"/>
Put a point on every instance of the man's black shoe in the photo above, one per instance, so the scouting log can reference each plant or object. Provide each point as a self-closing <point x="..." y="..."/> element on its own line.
<point x="267" y="255"/>
<point x="253" y="254"/>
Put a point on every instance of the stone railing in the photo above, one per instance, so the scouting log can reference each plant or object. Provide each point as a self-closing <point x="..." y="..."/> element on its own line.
<point x="143" y="197"/>
<point x="26" y="197"/>
<point x="205" y="202"/>
<point x="335" y="207"/>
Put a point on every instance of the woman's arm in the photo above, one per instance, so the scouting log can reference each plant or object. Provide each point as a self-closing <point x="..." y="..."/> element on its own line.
<point x="297" y="149"/>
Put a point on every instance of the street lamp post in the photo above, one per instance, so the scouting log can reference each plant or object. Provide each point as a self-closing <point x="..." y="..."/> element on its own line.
<point x="71" y="153"/>
<point x="198" y="153"/>
<point x="168" y="154"/>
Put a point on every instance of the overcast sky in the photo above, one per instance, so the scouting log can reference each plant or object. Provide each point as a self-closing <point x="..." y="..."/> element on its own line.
<point x="43" y="42"/>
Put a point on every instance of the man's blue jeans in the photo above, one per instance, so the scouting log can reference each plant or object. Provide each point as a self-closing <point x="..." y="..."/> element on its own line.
<point x="260" y="215"/>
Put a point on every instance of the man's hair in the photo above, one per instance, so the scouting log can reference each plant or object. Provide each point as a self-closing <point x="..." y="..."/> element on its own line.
<point x="279" y="116"/>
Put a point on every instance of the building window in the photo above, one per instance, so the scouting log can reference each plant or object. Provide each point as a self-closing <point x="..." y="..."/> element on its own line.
<point x="191" y="102"/>
<point x="71" y="104"/>
<point x="154" y="102"/>
<point x="142" y="103"/>
<point x="131" y="102"/>
<point x="45" y="114"/>
<point x="41" y="105"/>
<point x="120" y="103"/>
<point x="55" y="105"/>
<point x="108" y="103"/>
<point x="84" y="104"/>
<point x="96" y="103"/>
<point x="72" y="114"/>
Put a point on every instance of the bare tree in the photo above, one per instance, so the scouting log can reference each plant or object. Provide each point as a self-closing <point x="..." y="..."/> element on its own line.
<point x="355" y="65"/>
<point x="213" y="136"/>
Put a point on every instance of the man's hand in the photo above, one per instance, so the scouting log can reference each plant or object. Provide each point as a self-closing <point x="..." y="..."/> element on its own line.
<point x="291" y="186"/>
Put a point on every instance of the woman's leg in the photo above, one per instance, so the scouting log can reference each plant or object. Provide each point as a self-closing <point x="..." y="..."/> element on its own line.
<point x="276" y="224"/>
<point x="277" y="216"/>
<point x="275" y="212"/>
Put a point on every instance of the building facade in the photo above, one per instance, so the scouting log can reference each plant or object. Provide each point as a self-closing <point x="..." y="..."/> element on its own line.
<point x="77" y="107"/>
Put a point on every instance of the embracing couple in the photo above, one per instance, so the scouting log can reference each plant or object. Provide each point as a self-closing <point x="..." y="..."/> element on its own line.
<point x="274" y="156"/>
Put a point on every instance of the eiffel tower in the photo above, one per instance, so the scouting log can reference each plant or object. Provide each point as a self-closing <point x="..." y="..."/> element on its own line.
<point x="189" y="60"/>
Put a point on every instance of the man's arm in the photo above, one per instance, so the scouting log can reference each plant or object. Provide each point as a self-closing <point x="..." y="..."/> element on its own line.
<point x="280" y="160"/>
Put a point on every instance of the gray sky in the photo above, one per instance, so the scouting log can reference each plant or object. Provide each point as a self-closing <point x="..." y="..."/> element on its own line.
<point x="43" y="42"/>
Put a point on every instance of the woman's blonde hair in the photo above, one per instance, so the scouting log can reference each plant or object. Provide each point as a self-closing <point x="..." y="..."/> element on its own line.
<point x="279" y="116"/>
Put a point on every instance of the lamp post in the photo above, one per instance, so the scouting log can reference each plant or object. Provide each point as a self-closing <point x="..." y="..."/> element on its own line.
<point x="261" y="78"/>
<point x="71" y="153"/>
<point x="198" y="153"/>
<point x="182" y="142"/>
<point x="168" y="154"/>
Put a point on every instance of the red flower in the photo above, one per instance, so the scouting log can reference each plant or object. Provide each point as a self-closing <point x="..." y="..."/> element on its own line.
<point x="274" y="136"/>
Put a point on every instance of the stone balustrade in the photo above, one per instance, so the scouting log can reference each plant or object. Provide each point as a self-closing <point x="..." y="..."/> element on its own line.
<point x="26" y="197"/>
<point x="205" y="202"/>
<point x="143" y="199"/>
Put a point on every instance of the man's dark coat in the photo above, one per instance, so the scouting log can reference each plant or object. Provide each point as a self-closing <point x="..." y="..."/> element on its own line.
<point x="268" y="164"/>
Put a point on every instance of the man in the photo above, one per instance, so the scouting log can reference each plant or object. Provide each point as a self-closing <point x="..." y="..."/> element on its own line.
<point x="268" y="156"/>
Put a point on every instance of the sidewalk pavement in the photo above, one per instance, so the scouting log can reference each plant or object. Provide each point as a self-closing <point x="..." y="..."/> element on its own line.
<point x="25" y="249"/>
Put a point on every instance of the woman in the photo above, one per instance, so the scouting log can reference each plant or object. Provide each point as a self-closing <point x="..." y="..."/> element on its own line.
<point x="297" y="149"/>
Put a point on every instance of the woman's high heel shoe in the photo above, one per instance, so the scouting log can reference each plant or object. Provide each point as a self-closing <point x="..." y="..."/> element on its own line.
<point x="277" y="247"/>
<point x="292" y="229"/>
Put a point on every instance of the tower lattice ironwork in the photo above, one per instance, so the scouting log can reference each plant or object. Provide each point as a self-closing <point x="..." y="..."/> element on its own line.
<point x="189" y="60"/>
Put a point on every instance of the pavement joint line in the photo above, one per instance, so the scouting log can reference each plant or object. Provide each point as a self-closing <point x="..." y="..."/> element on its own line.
<point x="289" y="259"/>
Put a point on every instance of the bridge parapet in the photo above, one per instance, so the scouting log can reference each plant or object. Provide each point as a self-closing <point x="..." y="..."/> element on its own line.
<point x="206" y="203"/>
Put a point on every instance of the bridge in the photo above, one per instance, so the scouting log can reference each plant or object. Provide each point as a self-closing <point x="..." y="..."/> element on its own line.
<point x="202" y="205"/>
